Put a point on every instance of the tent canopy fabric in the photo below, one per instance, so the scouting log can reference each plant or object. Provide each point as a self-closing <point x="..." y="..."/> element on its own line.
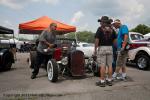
<point x="4" y="30"/>
<point x="38" y="25"/>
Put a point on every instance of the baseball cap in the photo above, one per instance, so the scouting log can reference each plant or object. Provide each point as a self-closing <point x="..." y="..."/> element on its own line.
<point x="117" y="21"/>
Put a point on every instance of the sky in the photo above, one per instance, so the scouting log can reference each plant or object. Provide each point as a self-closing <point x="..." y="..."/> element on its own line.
<point x="81" y="13"/>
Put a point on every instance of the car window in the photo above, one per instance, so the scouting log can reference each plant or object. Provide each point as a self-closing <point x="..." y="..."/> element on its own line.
<point x="87" y="45"/>
<point x="137" y="37"/>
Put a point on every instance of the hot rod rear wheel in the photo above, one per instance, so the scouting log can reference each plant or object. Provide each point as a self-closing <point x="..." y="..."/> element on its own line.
<point x="142" y="62"/>
<point x="52" y="70"/>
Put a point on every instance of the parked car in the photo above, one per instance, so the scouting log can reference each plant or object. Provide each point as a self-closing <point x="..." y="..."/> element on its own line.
<point x="6" y="50"/>
<point x="147" y="36"/>
<point x="139" y="50"/>
<point x="86" y="48"/>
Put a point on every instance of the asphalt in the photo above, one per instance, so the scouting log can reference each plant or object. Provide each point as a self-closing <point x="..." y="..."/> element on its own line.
<point x="17" y="85"/>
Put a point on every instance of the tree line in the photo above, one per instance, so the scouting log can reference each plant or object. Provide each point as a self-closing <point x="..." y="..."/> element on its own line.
<point x="88" y="36"/>
<point x="141" y="28"/>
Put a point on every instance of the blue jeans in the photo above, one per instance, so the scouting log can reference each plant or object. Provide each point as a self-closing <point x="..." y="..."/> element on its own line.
<point x="114" y="58"/>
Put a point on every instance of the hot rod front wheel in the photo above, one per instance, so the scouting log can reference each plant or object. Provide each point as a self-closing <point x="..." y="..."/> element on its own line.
<point x="52" y="70"/>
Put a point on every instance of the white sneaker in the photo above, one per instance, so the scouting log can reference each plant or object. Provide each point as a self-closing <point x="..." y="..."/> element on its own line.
<point x="119" y="77"/>
<point x="114" y="76"/>
<point x="124" y="78"/>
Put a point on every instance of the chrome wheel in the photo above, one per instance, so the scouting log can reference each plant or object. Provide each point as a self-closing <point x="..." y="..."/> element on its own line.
<point x="142" y="62"/>
<point x="50" y="70"/>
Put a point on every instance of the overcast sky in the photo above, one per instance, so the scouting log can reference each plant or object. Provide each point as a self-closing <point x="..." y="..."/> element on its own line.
<point x="81" y="13"/>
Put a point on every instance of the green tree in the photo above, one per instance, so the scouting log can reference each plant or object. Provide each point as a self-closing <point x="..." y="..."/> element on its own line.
<point x="71" y="35"/>
<point x="141" y="28"/>
<point x="83" y="36"/>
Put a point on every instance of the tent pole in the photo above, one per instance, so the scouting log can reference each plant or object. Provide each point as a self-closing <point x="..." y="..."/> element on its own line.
<point x="13" y="38"/>
<point x="76" y="36"/>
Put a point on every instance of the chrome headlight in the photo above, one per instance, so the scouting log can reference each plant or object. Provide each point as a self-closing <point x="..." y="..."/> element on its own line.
<point x="65" y="48"/>
<point x="64" y="61"/>
<point x="90" y="60"/>
<point x="1" y="53"/>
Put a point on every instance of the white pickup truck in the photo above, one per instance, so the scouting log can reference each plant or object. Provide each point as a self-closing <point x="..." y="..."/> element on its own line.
<point x="139" y="52"/>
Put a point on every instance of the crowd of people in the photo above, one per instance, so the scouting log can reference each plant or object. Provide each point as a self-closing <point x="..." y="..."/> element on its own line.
<point x="111" y="39"/>
<point x="26" y="47"/>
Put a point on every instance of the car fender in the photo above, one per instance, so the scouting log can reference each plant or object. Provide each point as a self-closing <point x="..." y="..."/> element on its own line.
<point x="4" y="51"/>
<point x="132" y="53"/>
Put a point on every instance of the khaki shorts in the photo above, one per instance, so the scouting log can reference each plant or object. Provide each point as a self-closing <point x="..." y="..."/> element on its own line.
<point x="104" y="56"/>
<point x="121" y="59"/>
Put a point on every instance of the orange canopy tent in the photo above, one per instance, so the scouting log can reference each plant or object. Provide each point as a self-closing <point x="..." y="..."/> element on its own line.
<point x="38" y="25"/>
